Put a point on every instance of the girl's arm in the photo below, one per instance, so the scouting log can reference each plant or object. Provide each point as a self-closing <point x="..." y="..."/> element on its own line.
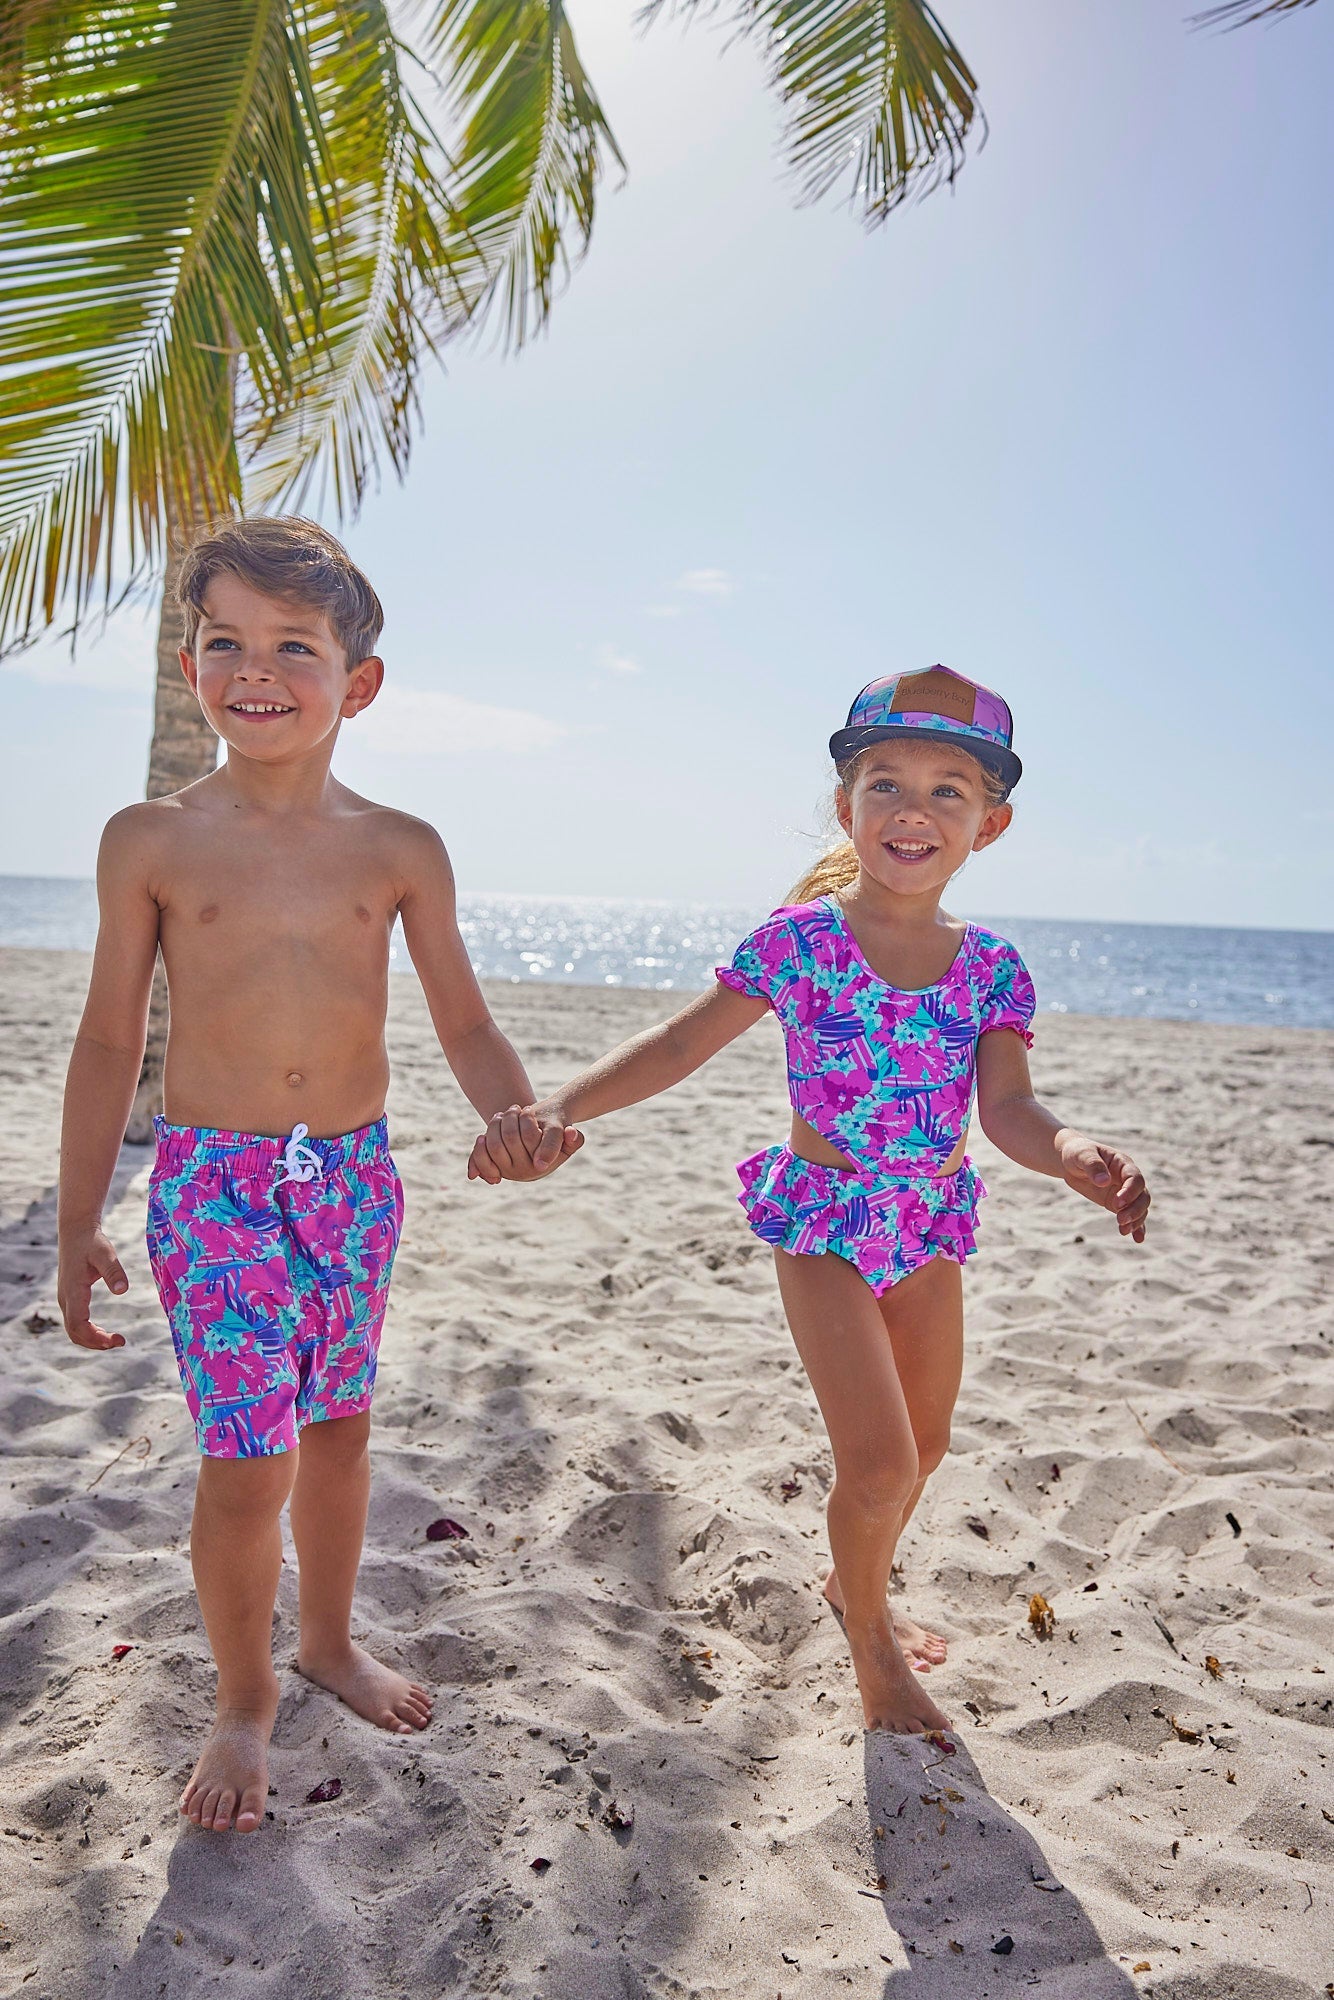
<point x="521" y="1144"/>
<point x="104" y="1070"/>
<point x="1027" y="1132"/>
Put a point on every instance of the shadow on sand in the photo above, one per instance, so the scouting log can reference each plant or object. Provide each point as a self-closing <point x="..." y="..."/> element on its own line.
<point x="960" y="1876"/>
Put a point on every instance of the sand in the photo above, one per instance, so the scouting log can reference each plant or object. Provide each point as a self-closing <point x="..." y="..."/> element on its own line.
<point x="593" y="1378"/>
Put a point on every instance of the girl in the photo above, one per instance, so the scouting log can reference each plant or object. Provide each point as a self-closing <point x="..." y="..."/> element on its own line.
<point x="894" y="1013"/>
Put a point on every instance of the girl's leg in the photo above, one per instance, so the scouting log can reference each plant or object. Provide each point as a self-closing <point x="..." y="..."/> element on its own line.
<point x="236" y="1553"/>
<point x="840" y="1336"/>
<point x="328" y="1515"/>
<point x="923" y="1317"/>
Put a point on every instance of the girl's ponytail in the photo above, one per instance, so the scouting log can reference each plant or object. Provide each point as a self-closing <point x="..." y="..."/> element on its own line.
<point x="833" y="871"/>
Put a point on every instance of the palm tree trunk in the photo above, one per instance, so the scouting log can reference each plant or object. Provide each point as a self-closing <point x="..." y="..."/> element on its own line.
<point x="183" y="748"/>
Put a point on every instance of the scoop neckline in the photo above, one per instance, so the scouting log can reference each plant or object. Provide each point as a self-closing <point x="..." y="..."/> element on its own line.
<point x="965" y="943"/>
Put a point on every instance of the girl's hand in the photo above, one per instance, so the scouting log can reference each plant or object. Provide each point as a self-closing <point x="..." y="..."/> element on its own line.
<point x="523" y="1144"/>
<point x="83" y="1260"/>
<point x="1108" y="1177"/>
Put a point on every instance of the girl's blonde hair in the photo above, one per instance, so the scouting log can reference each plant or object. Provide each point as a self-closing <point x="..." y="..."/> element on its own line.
<point x="839" y="867"/>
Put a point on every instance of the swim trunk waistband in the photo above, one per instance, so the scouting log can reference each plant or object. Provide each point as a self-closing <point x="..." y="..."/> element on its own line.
<point x="252" y="1153"/>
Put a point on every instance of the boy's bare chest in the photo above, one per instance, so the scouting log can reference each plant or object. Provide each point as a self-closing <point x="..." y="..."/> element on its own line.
<point x="278" y="894"/>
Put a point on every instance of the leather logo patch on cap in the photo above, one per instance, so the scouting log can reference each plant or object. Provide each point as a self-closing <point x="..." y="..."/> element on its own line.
<point x="935" y="693"/>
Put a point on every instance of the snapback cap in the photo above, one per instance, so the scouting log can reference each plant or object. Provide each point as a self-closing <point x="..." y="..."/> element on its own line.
<point x="937" y="702"/>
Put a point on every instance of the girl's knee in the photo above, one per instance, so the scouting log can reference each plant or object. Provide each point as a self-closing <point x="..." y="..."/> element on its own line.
<point x="881" y="1487"/>
<point x="930" y="1452"/>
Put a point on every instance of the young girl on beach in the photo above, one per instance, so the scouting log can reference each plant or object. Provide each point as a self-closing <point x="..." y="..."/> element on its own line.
<point x="895" y="1016"/>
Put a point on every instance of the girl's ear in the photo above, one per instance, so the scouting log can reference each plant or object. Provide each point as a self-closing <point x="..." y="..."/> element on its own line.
<point x="994" y="822"/>
<point x="843" y="807"/>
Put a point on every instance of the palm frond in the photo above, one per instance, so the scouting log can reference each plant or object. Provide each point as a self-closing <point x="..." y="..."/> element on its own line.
<point x="878" y="95"/>
<point x="1241" y="13"/>
<point x="530" y="145"/>
<point x="389" y="254"/>
<point x="144" y="249"/>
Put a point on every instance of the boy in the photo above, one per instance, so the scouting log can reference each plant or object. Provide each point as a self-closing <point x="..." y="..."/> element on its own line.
<point x="274" y="1206"/>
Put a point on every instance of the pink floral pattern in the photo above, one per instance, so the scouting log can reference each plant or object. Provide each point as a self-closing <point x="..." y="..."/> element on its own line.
<point x="275" y="1288"/>
<point x="885" y="1075"/>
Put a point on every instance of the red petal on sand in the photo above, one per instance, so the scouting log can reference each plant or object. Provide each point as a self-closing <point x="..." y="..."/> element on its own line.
<point x="331" y="1789"/>
<point x="445" y="1530"/>
<point x="540" y="1866"/>
<point x="942" y="1741"/>
<point x="119" y="1652"/>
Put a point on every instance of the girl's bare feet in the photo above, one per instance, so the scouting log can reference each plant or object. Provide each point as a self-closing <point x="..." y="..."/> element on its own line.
<point x="384" y="1697"/>
<point x="229" y="1786"/>
<point x="893" y="1698"/>
<point x="922" y="1649"/>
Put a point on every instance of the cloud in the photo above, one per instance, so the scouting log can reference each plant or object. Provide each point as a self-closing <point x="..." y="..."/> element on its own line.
<point x="663" y="610"/>
<point x="118" y="658"/>
<point x="706" y="582"/>
<point x="617" y="662"/>
<point x="426" y="722"/>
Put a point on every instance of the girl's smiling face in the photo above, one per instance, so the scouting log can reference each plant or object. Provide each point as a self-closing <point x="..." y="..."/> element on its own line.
<point x="270" y="674"/>
<point x="915" y="811"/>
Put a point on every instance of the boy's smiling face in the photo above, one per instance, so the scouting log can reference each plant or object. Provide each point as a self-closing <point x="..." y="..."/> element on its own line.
<point x="916" y="811"/>
<point x="270" y="673"/>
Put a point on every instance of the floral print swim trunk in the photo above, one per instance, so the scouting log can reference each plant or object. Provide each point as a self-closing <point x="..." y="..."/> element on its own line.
<point x="272" y="1259"/>
<point x="887" y="1225"/>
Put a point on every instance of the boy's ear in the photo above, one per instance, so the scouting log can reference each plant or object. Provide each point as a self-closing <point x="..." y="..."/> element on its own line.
<point x="189" y="667"/>
<point x="994" y="822"/>
<point x="363" y="684"/>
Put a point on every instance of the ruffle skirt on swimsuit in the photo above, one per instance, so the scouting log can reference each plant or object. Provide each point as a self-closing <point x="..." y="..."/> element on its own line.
<point x="887" y="1225"/>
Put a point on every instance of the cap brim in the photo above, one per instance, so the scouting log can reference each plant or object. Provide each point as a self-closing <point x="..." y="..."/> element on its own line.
<point x="844" y="744"/>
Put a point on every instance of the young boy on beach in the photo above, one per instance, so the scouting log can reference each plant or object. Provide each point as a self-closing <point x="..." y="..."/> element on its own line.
<point x="274" y="1204"/>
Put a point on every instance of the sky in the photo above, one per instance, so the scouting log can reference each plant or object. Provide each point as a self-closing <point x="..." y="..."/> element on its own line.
<point x="1066" y="428"/>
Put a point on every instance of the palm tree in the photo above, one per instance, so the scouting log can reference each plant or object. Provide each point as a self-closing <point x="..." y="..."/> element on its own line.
<point x="230" y="236"/>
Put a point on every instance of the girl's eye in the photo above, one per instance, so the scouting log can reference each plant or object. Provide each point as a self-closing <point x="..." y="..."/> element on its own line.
<point x="884" y="785"/>
<point x="946" y="791"/>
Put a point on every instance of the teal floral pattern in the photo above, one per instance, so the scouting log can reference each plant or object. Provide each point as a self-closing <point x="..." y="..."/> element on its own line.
<point x="274" y="1284"/>
<point x="887" y="1076"/>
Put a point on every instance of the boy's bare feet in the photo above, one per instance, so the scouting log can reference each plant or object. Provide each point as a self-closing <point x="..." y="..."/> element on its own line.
<point x="892" y="1696"/>
<point x="922" y="1649"/>
<point x="229" y="1786"/>
<point x="384" y="1697"/>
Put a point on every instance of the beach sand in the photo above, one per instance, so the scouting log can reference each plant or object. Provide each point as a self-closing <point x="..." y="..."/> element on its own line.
<point x="593" y="1378"/>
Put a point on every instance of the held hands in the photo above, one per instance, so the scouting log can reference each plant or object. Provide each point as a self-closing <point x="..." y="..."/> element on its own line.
<point x="1106" y="1176"/>
<point x="523" y="1144"/>
<point x="83" y="1260"/>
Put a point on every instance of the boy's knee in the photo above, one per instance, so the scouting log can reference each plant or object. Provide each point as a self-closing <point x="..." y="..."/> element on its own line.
<point x="252" y="1488"/>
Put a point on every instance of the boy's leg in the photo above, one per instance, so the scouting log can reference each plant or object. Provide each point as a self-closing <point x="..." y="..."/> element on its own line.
<point x="840" y="1336"/>
<point x="328" y="1516"/>
<point x="236" y="1553"/>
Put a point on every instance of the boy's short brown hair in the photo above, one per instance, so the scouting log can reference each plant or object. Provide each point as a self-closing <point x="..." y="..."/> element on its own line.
<point x="284" y="556"/>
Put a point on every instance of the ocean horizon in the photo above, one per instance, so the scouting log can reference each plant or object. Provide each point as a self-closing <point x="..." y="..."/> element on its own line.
<point x="1245" y="976"/>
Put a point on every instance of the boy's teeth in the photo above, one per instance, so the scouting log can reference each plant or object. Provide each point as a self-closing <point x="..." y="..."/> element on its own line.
<point x="260" y="707"/>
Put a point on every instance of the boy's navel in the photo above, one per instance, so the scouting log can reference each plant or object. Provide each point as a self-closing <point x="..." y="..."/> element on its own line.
<point x="295" y="1077"/>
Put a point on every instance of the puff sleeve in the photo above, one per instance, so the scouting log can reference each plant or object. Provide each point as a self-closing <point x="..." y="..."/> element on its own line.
<point x="748" y="973"/>
<point x="1010" y="1002"/>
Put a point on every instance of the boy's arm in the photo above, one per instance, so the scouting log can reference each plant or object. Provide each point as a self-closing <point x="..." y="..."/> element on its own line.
<point x="1030" y="1134"/>
<point x="484" y="1063"/>
<point x="104" y="1070"/>
<point x="639" y="1068"/>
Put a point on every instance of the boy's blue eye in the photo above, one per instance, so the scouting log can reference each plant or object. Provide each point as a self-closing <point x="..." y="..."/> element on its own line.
<point x="214" y="644"/>
<point x="293" y="646"/>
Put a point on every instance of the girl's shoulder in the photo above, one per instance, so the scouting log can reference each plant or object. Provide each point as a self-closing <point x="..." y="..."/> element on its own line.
<point x="991" y="944"/>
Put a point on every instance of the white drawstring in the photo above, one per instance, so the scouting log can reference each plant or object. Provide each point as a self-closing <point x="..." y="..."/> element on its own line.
<point x="299" y="1162"/>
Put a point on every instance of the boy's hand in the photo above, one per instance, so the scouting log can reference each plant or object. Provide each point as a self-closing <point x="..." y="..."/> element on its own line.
<point x="523" y="1144"/>
<point x="83" y="1261"/>
<point x="1108" y="1177"/>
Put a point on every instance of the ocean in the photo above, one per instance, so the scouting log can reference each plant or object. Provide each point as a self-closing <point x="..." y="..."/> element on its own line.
<point x="1282" y="979"/>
